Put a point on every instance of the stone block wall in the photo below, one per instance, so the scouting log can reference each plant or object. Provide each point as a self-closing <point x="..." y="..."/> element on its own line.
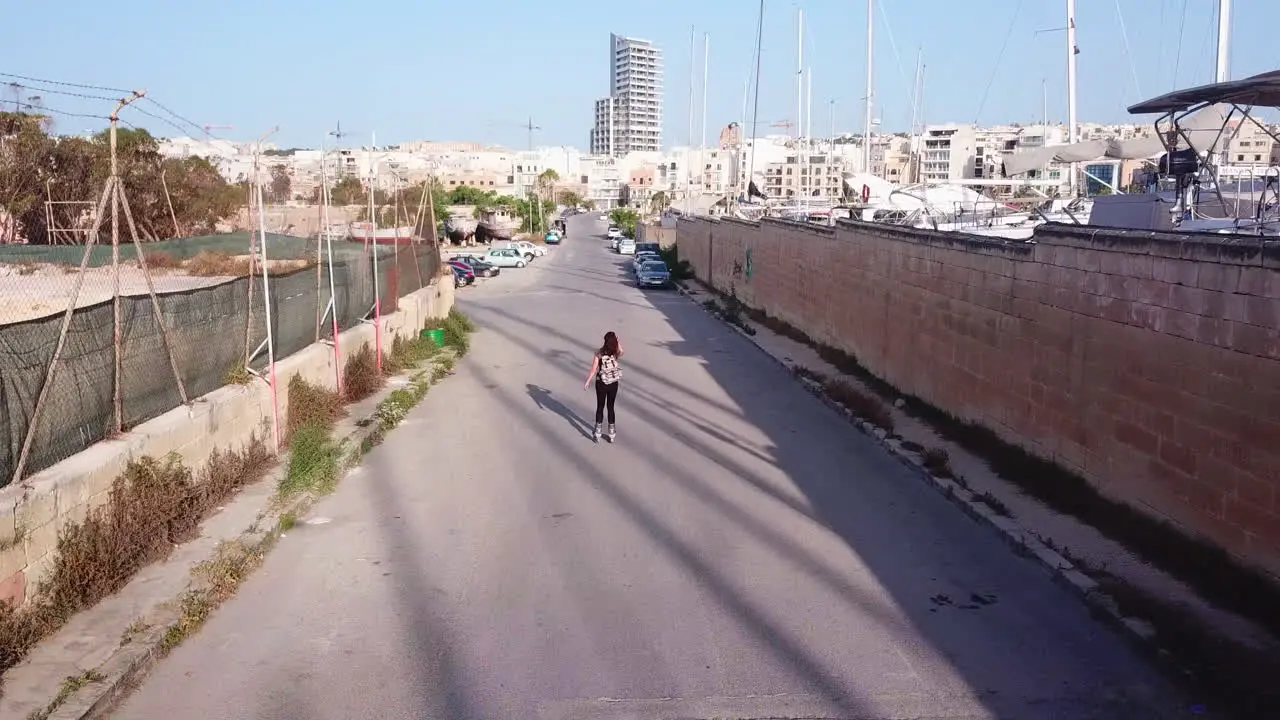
<point x="1148" y="363"/>
<point x="33" y="512"/>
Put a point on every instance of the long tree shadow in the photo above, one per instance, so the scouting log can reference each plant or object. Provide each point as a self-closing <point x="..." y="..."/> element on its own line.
<point x="1027" y="647"/>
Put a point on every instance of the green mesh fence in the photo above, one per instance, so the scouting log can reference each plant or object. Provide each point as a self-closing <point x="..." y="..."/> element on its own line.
<point x="209" y="327"/>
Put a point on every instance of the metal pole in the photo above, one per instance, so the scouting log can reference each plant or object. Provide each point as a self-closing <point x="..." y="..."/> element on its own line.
<point x="266" y="291"/>
<point x="1222" y="72"/>
<point x="866" y="137"/>
<point x="373" y="240"/>
<point x="755" y="110"/>
<point x="333" y="294"/>
<point x="117" y="402"/>
<point x="688" y="164"/>
<point x="52" y="371"/>
<point x="1073" y="128"/>
<point x="706" y="70"/>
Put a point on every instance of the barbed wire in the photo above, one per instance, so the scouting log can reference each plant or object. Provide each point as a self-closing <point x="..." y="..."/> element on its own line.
<point x="67" y="93"/>
<point x="64" y="83"/>
<point x="179" y="118"/>
<point x="56" y="111"/>
<point x="150" y="114"/>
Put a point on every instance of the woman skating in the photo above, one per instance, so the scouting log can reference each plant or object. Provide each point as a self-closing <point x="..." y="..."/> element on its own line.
<point x="607" y="373"/>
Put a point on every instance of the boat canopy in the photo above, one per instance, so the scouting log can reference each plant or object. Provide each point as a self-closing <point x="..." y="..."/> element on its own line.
<point x="1261" y="90"/>
<point x="1202" y="127"/>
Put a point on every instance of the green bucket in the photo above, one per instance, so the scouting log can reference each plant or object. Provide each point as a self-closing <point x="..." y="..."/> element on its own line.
<point x="435" y="336"/>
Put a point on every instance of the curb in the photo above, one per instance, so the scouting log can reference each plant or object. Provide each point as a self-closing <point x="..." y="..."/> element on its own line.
<point x="1023" y="542"/>
<point x="130" y="663"/>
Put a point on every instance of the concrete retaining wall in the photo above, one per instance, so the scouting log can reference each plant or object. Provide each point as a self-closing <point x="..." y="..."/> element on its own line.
<point x="649" y="232"/>
<point x="33" y="512"/>
<point x="1148" y="363"/>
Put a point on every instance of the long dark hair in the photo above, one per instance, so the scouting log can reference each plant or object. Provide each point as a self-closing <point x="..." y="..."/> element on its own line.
<point x="610" y="346"/>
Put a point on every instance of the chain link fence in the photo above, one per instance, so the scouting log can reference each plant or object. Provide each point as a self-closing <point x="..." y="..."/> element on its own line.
<point x="206" y="324"/>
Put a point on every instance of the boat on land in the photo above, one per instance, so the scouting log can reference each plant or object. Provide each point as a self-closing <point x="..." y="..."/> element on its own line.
<point x="460" y="228"/>
<point x="366" y="232"/>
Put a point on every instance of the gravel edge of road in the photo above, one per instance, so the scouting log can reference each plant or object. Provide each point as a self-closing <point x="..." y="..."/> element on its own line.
<point x="1137" y="631"/>
<point x="130" y="663"/>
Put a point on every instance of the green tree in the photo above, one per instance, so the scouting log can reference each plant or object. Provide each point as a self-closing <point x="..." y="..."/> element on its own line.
<point x="348" y="191"/>
<point x="281" y="187"/>
<point x="626" y="219"/>
<point x="569" y="198"/>
<point x="35" y="166"/>
<point x="659" y="202"/>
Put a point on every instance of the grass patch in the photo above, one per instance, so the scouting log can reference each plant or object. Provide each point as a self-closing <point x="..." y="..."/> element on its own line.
<point x="1233" y="676"/>
<point x="215" y="264"/>
<point x="311" y="405"/>
<point x="288" y="521"/>
<point x="407" y="353"/>
<point x="937" y="461"/>
<point x="1206" y="568"/>
<point x="314" y="461"/>
<point x="136" y="628"/>
<point x="864" y="405"/>
<point x="360" y="377"/>
<point x="679" y="269"/>
<point x="457" y="329"/>
<point x="804" y="372"/>
<point x="70" y="686"/>
<point x="993" y="502"/>
<point x="160" y="261"/>
<point x="219" y="579"/>
<point x="153" y="505"/>
<point x="238" y="375"/>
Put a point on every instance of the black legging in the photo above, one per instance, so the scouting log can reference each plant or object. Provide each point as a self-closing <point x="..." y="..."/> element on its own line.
<point x="606" y="394"/>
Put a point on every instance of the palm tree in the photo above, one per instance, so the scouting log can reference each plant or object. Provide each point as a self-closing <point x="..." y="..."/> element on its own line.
<point x="546" y="184"/>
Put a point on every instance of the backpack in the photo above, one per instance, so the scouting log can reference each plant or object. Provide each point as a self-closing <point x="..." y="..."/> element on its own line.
<point x="610" y="372"/>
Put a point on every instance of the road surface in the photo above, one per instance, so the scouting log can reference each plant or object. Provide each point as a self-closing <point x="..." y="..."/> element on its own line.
<point x="740" y="552"/>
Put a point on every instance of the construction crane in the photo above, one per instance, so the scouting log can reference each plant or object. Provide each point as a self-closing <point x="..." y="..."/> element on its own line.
<point x="783" y="124"/>
<point x="208" y="129"/>
<point x="531" y="128"/>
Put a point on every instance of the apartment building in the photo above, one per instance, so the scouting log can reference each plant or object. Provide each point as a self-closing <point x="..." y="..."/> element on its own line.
<point x="630" y="118"/>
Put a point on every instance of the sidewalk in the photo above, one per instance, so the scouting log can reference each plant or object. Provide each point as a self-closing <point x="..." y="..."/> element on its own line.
<point x="1067" y="546"/>
<point x="97" y="657"/>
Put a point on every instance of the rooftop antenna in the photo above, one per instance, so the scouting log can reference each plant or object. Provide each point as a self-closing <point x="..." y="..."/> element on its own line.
<point x="530" y="127"/>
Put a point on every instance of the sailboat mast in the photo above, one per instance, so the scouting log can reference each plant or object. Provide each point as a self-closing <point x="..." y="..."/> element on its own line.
<point x="800" y="98"/>
<point x="688" y="163"/>
<point x="755" y="110"/>
<point x="1223" y="69"/>
<point x="706" y="69"/>
<point x="866" y="133"/>
<point x="1073" y="128"/>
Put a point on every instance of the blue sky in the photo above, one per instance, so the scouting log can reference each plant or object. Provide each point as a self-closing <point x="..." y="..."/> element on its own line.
<point x="479" y="69"/>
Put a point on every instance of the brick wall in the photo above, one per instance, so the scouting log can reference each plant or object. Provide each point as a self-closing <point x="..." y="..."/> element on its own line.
<point x="1148" y="363"/>
<point x="33" y="512"/>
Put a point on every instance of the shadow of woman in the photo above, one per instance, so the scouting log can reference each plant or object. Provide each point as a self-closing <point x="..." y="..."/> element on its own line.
<point x="542" y="397"/>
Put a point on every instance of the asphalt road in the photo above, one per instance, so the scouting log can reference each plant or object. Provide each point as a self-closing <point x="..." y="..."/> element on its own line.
<point x="740" y="552"/>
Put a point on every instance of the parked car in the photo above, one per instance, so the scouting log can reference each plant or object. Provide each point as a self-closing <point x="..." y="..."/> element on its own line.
<point x="479" y="267"/>
<point x="460" y="277"/>
<point x="643" y="257"/>
<point x="653" y="274"/>
<point x="613" y="232"/>
<point x="552" y="238"/>
<point x="463" y="268"/>
<point x="626" y="246"/>
<point x="648" y="247"/>
<point x="530" y="250"/>
<point x="506" y="257"/>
